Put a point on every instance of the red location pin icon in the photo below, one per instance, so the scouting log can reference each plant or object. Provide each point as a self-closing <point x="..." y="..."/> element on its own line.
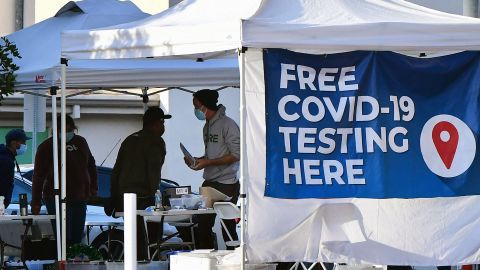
<point x="445" y="138"/>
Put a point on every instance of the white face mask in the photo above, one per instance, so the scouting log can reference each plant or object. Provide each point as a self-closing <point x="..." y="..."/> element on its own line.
<point x="22" y="149"/>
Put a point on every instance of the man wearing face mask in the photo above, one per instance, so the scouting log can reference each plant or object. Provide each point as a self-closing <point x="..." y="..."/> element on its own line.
<point x="138" y="170"/>
<point x="15" y="145"/>
<point x="220" y="163"/>
<point x="81" y="180"/>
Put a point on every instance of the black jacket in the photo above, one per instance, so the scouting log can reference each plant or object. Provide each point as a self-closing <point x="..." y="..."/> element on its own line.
<point x="138" y="167"/>
<point x="7" y="170"/>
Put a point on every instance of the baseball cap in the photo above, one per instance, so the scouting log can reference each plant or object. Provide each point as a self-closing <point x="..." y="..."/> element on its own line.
<point x="16" y="135"/>
<point x="153" y="114"/>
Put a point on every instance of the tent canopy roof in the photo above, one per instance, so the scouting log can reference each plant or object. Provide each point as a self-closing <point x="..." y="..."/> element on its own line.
<point x="203" y="27"/>
<point x="39" y="44"/>
<point x="105" y="7"/>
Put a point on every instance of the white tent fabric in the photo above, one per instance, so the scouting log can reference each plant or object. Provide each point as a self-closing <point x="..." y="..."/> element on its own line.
<point x="309" y="229"/>
<point x="196" y="27"/>
<point x="125" y="73"/>
<point x="40" y="67"/>
<point x="209" y="25"/>
<point x="420" y="232"/>
<point x="39" y="44"/>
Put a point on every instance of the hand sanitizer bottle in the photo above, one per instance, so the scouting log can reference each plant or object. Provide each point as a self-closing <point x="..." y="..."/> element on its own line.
<point x="2" y="205"/>
<point x="158" y="200"/>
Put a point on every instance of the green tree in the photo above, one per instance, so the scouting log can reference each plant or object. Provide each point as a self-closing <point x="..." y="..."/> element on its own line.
<point x="8" y="51"/>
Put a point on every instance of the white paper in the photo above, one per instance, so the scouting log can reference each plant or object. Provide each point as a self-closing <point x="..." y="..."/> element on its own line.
<point x="193" y="161"/>
<point x="213" y="195"/>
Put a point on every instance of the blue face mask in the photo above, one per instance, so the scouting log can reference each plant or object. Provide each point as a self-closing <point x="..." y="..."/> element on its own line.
<point x="69" y="135"/>
<point x="199" y="114"/>
<point x="22" y="149"/>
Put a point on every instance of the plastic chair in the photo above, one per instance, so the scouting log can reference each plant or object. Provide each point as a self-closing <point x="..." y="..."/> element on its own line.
<point x="227" y="210"/>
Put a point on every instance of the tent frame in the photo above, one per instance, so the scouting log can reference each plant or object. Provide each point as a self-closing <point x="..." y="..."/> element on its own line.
<point x="60" y="193"/>
<point x="243" y="152"/>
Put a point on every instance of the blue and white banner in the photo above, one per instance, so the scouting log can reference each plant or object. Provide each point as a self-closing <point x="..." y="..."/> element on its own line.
<point x="371" y="125"/>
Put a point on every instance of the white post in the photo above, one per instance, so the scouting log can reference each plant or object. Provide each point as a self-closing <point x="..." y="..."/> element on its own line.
<point x="55" y="175"/>
<point x="242" y="158"/>
<point x="63" y="160"/>
<point x="470" y="8"/>
<point x="130" y="230"/>
<point x="35" y="127"/>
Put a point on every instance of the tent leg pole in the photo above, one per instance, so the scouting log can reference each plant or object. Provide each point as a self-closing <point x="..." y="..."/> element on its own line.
<point x="470" y="8"/>
<point x="242" y="159"/>
<point x="55" y="175"/>
<point x="63" y="160"/>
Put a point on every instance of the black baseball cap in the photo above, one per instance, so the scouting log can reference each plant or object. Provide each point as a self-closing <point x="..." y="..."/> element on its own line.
<point x="16" y="135"/>
<point x="153" y="114"/>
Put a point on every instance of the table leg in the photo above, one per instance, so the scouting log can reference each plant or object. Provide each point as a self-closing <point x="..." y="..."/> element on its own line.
<point x="160" y="236"/>
<point x="109" y="253"/>
<point x="192" y="232"/>
<point x="89" y="228"/>
<point x="28" y="225"/>
<point x="2" y="253"/>
<point x="146" y="245"/>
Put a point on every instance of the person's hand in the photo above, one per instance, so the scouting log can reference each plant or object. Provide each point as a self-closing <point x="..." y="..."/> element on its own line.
<point x="35" y="209"/>
<point x="201" y="164"/>
<point x="187" y="161"/>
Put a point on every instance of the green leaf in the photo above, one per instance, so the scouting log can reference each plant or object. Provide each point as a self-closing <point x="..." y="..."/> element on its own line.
<point x="8" y="51"/>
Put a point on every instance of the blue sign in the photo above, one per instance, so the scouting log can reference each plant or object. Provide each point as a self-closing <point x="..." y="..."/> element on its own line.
<point x="371" y="125"/>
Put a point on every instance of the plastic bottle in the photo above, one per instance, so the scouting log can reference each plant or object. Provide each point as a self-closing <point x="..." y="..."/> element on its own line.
<point x="158" y="200"/>
<point x="23" y="204"/>
<point x="2" y="205"/>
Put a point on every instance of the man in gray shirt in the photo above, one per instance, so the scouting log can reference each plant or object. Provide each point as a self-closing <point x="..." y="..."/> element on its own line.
<point x="220" y="163"/>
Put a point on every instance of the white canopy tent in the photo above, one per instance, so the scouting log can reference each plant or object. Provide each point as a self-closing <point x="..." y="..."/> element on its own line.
<point x="208" y="28"/>
<point x="40" y="68"/>
<point x="124" y="73"/>
<point x="39" y="63"/>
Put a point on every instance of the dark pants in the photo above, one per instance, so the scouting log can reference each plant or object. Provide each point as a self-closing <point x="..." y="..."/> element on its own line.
<point x="206" y="222"/>
<point x="153" y="228"/>
<point x="76" y="213"/>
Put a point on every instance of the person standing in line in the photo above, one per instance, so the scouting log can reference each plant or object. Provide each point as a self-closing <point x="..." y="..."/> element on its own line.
<point x="15" y="145"/>
<point x="220" y="164"/>
<point x="81" y="180"/>
<point x="138" y="170"/>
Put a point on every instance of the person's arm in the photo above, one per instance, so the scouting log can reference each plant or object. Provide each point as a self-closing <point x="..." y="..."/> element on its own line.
<point x="6" y="177"/>
<point x="231" y="134"/>
<point x="92" y="171"/>
<point x="225" y="160"/>
<point x="40" y="172"/>
<point x="117" y="169"/>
